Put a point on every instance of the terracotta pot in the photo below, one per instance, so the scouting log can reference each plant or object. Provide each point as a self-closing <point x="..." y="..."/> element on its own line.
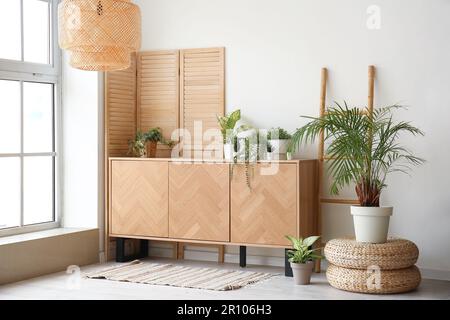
<point x="302" y="272"/>
<point x="151" y="149"/>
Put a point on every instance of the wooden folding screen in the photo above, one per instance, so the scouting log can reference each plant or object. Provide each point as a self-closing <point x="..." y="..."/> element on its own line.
<point x="158" y="93"/>
<point x="119" y="121"/>
<point x="168" y="89"/>
<point x="202" y="94"/>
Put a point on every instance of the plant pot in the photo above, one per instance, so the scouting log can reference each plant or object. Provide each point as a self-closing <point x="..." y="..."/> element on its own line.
<point x="269" y="156"/>
<point x="279" y="146"/>
<point x="302" y="272"/>
<point x="289" y="156"/>
<point x="228" y="151"/>
<point x="371" y="223"/>
<point x="151" y="149"/>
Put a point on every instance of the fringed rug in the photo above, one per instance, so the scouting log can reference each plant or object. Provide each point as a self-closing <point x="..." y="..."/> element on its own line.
<point x="180" y="276"/>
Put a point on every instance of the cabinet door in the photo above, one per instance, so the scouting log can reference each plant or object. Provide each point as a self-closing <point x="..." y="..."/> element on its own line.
<point x="266" y="212"/>
<point x="199" y="201"/>
<point x="139" y="198"/>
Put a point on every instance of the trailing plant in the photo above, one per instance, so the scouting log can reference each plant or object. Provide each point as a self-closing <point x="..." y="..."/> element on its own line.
<point x="247" y="153"/>
<point x="363" y="148"/>
<point x="154" y="135"/>
<point x="302" y="251"/>
<point x="227" y="124"/>
<point x="278" y="133"/>
<point x="136" y="147"/>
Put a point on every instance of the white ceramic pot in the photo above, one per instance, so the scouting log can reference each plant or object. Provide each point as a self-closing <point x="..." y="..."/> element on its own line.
<point x="279" y="146"/>
<point x="228" y="151"/>
<point x="371" y="223"/>
<point x="269" y="156"/>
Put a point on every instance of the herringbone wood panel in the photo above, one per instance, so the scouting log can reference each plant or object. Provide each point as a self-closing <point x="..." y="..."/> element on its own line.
<point x="139" y="198"/>
<point x="199" y="201"/>
<point x="267" y="212"/>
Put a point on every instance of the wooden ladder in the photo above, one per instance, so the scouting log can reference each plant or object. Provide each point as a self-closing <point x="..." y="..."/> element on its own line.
<point x="321" y="150"/>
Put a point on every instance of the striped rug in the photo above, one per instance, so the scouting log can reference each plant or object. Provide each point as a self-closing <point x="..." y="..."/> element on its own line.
<point x="180" y="276"/>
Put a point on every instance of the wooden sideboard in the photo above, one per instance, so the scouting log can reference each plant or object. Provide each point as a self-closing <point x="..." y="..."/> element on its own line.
<point x="189" y="200"/>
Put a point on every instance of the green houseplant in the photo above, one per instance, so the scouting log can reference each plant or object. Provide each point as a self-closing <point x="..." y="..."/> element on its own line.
<point x="227" y="124"/>
<point x="302" y="258"/>
<point x="279" y="139"/>
<point x="152" y="137"/>
<point x="363" y="150"/>
<point x="136" y="147"/>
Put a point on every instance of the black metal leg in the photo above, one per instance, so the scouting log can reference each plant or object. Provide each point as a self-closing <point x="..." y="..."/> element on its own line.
<point x="120" y="251"/>
<point x="287" y="265"/>
<point x="243" y="256"/>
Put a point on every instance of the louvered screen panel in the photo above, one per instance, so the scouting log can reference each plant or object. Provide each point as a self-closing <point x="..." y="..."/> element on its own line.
<point x="120" y="109"/>
<point x="158" y="98"/>
<point x="202" y="93"/>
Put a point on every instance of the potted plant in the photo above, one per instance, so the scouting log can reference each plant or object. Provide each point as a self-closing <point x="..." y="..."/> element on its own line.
<point x="227" y="124"/>
<point x="136" y="147"/>
<point x="269" y="153"/>
<point x="302" y="258"/>
<point x="363" y="149"/>
<point x="152" y="137"/>
<point x="279" y="138"/>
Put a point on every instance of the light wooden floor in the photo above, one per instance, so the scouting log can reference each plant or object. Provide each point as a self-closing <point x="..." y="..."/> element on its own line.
<point x="62" y="286"/>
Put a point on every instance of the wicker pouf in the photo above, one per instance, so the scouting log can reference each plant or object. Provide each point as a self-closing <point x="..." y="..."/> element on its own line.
<point x="374" y="281"/>
<point x="372" y="268"/>
<point x="392" y="255"/>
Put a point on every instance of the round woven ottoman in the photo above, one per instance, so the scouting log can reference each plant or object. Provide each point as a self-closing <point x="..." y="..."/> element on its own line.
<point x="372" y="268"/>
<point x="373" y="280"/>
<point x="392" y="255"/>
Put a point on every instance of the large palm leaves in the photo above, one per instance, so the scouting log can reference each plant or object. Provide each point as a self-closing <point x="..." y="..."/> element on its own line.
<point x="363" y="148"/>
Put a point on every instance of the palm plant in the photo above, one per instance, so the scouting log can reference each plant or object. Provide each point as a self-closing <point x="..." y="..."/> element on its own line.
<point x="363" y="148"/>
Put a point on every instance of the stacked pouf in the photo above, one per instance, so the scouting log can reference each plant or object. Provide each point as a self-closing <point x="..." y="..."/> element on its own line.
<point x="372" y="268"/>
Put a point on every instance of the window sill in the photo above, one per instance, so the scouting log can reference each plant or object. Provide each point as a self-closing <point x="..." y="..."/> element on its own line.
<point x="37" y="235"/>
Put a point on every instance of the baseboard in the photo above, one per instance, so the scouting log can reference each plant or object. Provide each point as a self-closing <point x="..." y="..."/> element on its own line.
<point x="435" y="274"/>
<point x="202" y="255"/>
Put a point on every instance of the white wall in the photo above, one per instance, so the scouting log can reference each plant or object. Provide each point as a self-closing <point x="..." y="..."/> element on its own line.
<point x="80" y="113"/>
<point x="274" y="52"/>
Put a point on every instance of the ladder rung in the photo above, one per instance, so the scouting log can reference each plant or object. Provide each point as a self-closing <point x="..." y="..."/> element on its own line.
<point x="339" y="201"/>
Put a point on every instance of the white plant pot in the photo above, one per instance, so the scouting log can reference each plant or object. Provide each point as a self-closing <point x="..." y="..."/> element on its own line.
<point x="279" y="146"/>
<point x="371" y="223"/>
<point x="269" y="156"/>
<point x="228" y="151"/>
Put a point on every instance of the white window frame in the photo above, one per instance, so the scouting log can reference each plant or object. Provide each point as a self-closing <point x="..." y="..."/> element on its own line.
<point x="42" y="73"/>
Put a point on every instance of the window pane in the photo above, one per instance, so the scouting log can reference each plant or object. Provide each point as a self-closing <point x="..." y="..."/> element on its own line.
<point x="37" y="117"/>
<point x="36" y="27"/>
<point x="9" y="192"/>
<point x="10" y="30"/>
<point x="38" y="189"/>
<point x="9" y="116"/>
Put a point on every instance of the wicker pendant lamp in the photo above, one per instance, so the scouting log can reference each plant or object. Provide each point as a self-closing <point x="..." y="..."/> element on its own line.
<point x="100" y="34"/>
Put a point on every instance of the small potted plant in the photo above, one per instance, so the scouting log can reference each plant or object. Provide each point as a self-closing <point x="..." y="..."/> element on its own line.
<point x="302" y="258"/>
<point x="279" y="138"/>
<point x="269" y="153"/>
<point x="136" y="147"/>
<point x="363" y="149"/>
<point x="227" y="124"/>
<point x="152" y="137"/>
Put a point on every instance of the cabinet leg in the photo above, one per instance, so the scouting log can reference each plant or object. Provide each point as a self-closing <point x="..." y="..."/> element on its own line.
<point x="243" y="256"/>
<point x="287" y="265"/>
<point x="120" y="251"/>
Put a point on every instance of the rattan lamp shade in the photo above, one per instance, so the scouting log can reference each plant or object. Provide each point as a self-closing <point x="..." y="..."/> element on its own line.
<point x="100" y="34"/>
